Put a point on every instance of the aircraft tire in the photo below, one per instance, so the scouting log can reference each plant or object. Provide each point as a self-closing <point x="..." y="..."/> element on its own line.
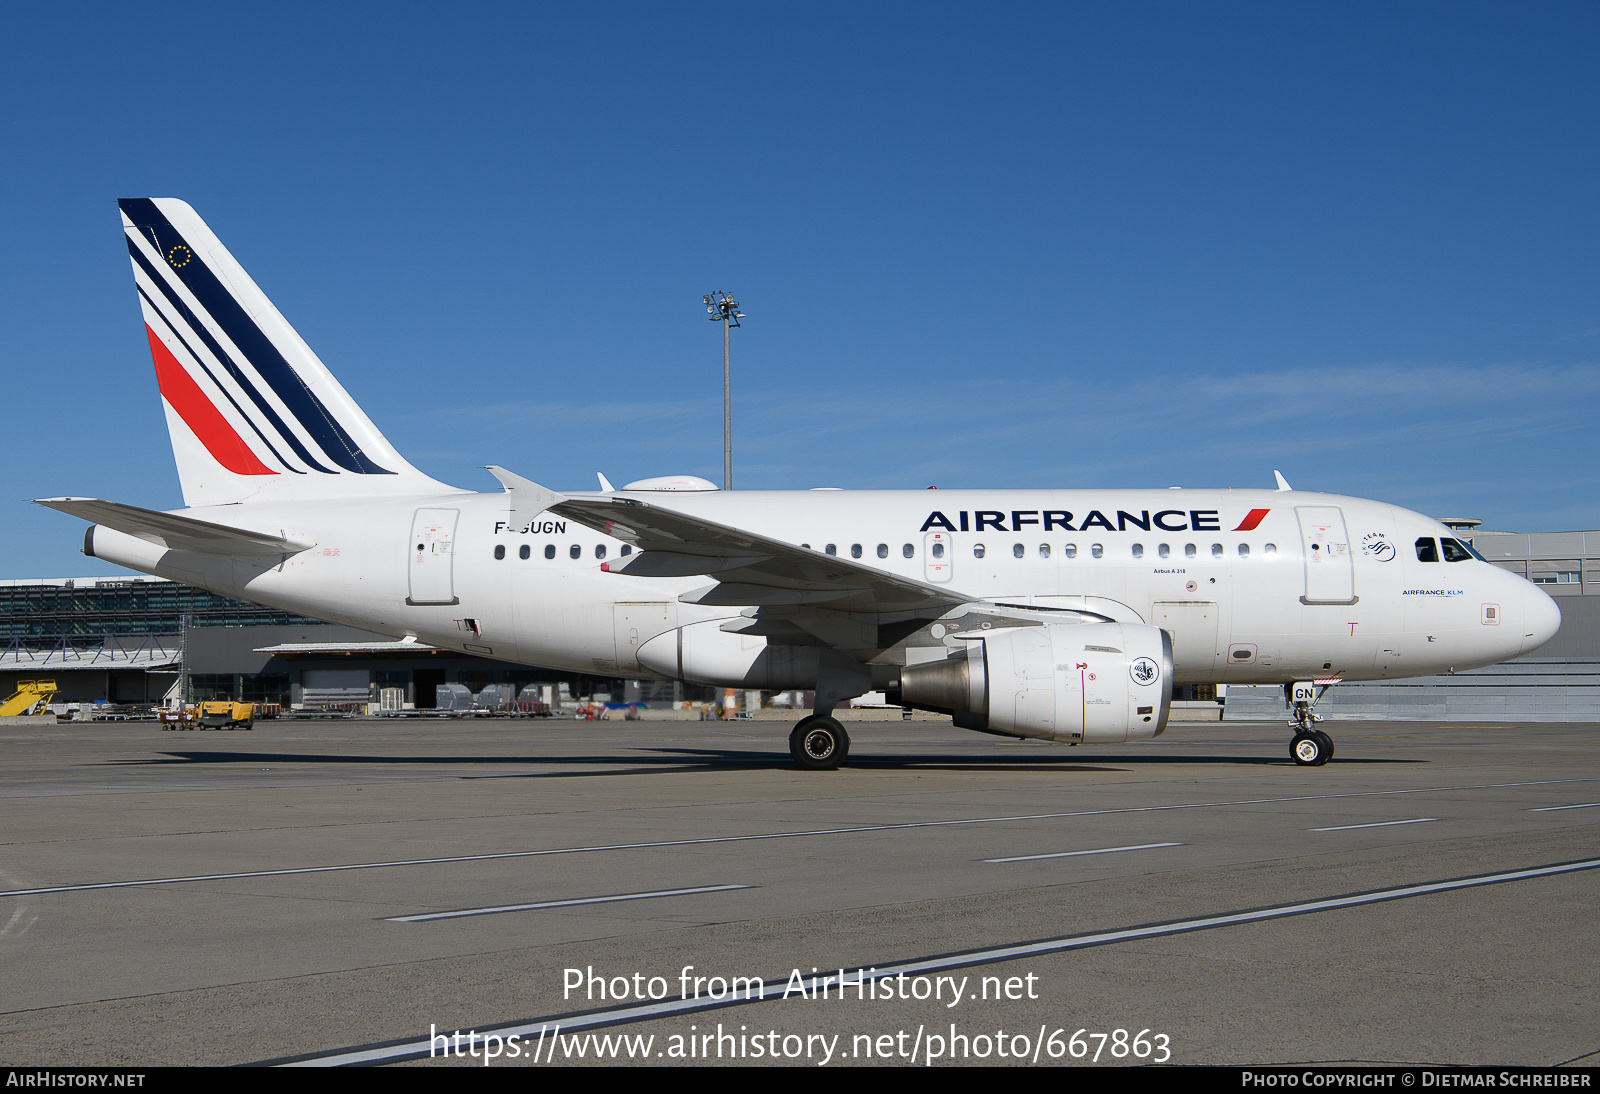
<point x="1308" y="749"/>
<point x="819" y="743"/>
<point x="1328" y="741"/>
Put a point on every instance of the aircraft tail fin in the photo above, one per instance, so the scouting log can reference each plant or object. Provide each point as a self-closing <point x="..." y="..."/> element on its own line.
<point x="251" y="410"/>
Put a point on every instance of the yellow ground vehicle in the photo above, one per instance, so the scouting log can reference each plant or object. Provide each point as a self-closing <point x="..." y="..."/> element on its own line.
<point x="30" y="696"/>
<point x="221" y="714"/>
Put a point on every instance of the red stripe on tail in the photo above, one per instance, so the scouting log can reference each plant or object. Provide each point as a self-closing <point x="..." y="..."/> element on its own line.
<point x="184" y="395"/>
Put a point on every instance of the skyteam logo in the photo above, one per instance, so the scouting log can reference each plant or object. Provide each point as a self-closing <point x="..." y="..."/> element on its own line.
<point x="1144" y="671"/>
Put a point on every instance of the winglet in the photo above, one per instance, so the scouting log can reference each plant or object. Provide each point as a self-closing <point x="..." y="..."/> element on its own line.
<point x="525" y="494"/>
<point x="1283" y="483"/>
<point x="605" y="484"/>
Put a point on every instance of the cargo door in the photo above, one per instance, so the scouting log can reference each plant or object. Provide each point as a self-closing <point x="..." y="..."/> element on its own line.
<point x="637" y="623"/>
<point x="1329" y="565"/>
<point x="1193" y="626"/>
<point x="432" y="573"/>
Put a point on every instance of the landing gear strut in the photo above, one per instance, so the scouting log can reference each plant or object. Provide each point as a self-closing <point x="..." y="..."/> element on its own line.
<point x="1311" y="747"/>
<point x="819" y="743"/>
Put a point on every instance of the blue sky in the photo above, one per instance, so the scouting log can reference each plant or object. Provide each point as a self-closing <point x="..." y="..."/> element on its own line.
<point x="1024" y="245"/>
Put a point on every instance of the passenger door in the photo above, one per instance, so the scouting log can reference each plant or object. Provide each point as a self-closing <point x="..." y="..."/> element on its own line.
<point x="432" y="570"/>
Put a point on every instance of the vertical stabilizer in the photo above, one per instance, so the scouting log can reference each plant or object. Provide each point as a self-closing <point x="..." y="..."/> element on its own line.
<point x="252" y="411"/>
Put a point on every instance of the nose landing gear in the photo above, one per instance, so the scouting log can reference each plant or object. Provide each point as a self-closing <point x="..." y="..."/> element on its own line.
<point x="1310" y="747"/>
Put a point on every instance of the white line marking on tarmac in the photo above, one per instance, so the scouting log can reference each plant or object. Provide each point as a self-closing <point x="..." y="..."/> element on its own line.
<point x="1379" y="824"/>
<point x="378" y="1054"/>
<point x="766" y="836"/>
<point x="1558" y="808"/>
<point x="463" y="913"/>
<point x="1071" y="854"/>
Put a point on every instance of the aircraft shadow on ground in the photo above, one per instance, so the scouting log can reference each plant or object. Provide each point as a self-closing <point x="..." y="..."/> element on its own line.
<point x="661" y="760"/>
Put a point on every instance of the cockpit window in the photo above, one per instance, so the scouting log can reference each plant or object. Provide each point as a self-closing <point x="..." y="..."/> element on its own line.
<point x="1427" y="550"/>
<point x="1453" y="550"/>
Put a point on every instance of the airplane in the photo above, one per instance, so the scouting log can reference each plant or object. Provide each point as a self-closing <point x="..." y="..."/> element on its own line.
<point x="1058" y="615"/>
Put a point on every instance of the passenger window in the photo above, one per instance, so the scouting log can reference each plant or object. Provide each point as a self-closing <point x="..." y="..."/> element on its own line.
<point x="1269" y="549"/>
<point x="938" y="550"/>
<point x="1216" y="550"/>
<point x="978" y="550"/>
<point x="1453" y="551"/>
<point x="549" y="550"/>
<point x="855" y="550"/>
<point x="1097" y="551"/>
<point x="1244" y="550"/>
<point x="500" y="550"/>
<point x="600" y="550"/>
<point x="1070" y="550"/>
<point x="807" y="546"/>
<point x="1427" y="550"/>
<point x="1163" y="550"/>
<point x="883" y="550"/>
<point x="524" y="551"/>
<point x="575" y="551"/>
<point x="627" y="549"/>
<point x="1018" y="550"/>
<point x="1138" y="550"/>
<point x="1044" y="550"/>
<point x="1188" y="550"/>
<point x="830" y="549"/>
<point x="909" y="551"/>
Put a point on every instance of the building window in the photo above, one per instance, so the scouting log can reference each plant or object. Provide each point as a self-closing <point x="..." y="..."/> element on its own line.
<point x="1558" y="577"/>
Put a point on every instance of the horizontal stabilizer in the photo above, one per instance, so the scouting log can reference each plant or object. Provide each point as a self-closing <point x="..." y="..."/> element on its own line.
<point x="177" y="533"/>
<point x="526" y="495"/>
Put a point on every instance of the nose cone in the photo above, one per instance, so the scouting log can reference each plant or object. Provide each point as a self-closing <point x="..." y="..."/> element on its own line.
<point x="1541" y="619"/>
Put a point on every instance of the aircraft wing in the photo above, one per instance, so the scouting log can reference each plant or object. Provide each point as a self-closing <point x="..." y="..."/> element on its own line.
<point x="176" y="532"/>
<point x="745" y="568"/>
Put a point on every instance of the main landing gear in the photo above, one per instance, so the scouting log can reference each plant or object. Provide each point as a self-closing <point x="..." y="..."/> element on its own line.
<point x="1311" y="747"/>
<point x="819" y="743"/>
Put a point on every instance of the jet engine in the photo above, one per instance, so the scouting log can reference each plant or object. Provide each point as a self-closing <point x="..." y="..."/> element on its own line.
<point x="1089" y="683"/>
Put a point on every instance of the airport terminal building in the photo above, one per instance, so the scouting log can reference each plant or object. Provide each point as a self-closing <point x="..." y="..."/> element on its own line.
<point x="130" y="640"/>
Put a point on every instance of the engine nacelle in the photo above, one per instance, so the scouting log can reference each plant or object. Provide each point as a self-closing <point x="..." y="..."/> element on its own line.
<point x="1091" y="683"/>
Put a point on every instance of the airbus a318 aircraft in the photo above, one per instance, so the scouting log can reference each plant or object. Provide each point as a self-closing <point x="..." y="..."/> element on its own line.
<point x="1062" y="615"/>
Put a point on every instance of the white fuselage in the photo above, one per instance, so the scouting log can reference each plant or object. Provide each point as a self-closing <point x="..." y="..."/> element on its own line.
<point x="1255" y="586"/>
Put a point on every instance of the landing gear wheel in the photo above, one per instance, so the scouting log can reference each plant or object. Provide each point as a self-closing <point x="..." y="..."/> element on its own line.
<point x="1327" y="742"/>
<point x="1309" y="749"/>
<point x="819" y="743"/>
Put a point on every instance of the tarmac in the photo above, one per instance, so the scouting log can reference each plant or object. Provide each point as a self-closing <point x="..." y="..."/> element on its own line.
<point x="361" y="890"/>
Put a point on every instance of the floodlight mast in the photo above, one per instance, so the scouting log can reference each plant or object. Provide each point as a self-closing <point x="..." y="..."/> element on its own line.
<point x="724" y="309"/>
